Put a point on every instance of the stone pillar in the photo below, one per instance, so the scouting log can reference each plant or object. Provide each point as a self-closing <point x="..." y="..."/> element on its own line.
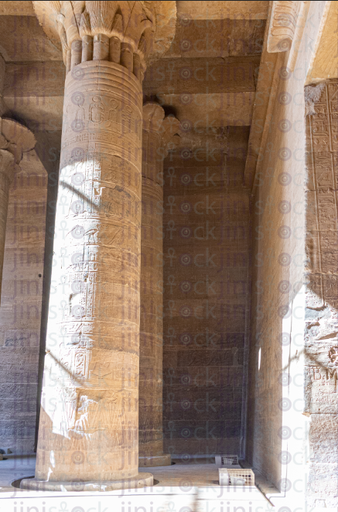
<point x="158" y="134"/>
<point x="6" y="174"/>
<point x="15" y="139"/>
<point x="88" y="434"/>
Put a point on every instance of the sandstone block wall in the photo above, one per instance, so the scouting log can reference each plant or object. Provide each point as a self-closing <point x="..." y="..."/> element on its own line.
<point x="278" y="217"/>
<point x="206" y="290"/>
<point x="321" y="342"/>
<point x="20" y="310"/>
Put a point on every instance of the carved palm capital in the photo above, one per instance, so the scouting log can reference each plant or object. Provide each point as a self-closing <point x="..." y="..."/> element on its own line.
<point x="15" y="138"/>
<point x="166" y="128"/>
<point x="128" y="33"/>
<point x="153" y="116"/>
<point x="171" y="132"/>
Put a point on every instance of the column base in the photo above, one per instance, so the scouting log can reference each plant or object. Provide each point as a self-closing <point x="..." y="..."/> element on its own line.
<point x="154" y="460"/>
<point x="135" y="482"/>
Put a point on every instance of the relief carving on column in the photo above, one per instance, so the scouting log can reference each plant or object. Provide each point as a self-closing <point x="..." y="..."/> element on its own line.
<point x="128" y="33"/>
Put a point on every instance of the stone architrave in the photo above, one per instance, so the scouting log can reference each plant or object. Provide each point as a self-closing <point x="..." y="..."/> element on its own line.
<point x="160" y="134"/>
<point x="283" y="25"/>
<point x="286" y="25"/>
<point x="88" y="432"/>
<point x="15" y="139"/>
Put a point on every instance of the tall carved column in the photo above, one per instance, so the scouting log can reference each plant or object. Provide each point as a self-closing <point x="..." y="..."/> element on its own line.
<point x="6" y="175"/>
<point x="15" y="139"/>
<point x="158" y="133"/>
<point x="88" y="435"/>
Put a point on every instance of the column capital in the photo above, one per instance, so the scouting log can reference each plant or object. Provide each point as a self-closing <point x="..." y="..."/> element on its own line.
<point x="153" y="116"/>
<point x="166" y="127"/>
<point x="144" y="29"/>
<point x="15" y="139"/>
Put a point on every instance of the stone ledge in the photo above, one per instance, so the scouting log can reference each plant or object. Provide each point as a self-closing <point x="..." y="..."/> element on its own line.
<point x="135" y="482"/>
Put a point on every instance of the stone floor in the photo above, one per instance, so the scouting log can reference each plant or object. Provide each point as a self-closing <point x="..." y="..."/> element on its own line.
<point x="180" y="487"/>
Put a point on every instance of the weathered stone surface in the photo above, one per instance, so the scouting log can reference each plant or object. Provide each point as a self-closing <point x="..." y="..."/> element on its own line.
<point x="17" y="8"/>
<point x="159" y="134"/>
<point x="92" y="343"/>
<point x="321" y="327"/>
<point x="15" y="140"/>
<point x="21" y="301"/>
<point x="325" y="62"/>
<point x="222" y="10"/>
<point x="204" y="299"/>
<point x="111" y="31"/>
<point x="276" y="370"/>
<point x="241" y="235"/>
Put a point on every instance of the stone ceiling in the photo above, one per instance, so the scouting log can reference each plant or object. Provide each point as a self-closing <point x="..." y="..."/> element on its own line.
<point x="207" y="79"/>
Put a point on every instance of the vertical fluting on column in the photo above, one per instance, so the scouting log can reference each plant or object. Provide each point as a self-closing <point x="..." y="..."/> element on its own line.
<point x="158" y="133"/>
<point x="89" y="419"/>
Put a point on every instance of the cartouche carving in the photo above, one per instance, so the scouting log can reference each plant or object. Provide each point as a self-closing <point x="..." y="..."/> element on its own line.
<point x="283" y="24"/>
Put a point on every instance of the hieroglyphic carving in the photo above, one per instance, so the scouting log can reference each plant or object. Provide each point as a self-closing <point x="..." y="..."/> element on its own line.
<point x="96" y="271"/>
<point x="321" y="161"/>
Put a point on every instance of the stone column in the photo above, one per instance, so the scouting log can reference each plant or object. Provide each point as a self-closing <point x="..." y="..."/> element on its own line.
<point x="15" y="139"/>
<point x="159" y="132"/>
<point x="88" y="434"/>
<point x="6" y="174"/>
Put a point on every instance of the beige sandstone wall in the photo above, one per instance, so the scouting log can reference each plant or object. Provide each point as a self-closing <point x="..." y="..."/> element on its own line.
<point x="206" y="290"/>
<point x="292" y="430"/>
<point x="321" y="343"/>
<point x="278" y="256"/>
<point x="20" y="310"/>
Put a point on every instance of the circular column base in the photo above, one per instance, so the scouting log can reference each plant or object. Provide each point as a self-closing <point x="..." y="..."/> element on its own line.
<point x="135" y="482"/>
<point x="154" y="460"/>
